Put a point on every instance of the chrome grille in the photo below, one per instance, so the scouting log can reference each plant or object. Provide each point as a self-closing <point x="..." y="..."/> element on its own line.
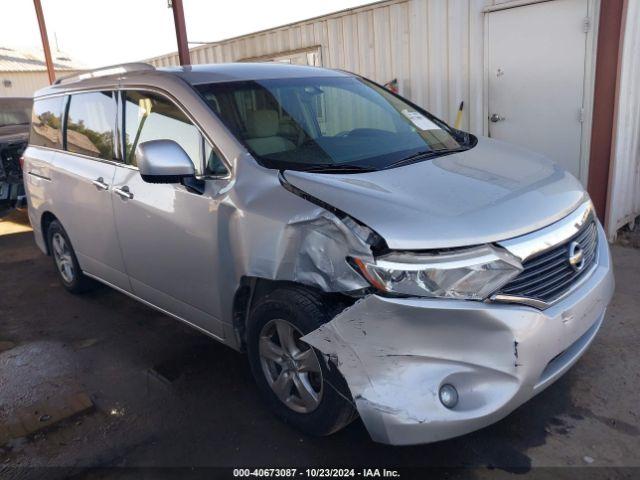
<point x="548" y="275"/>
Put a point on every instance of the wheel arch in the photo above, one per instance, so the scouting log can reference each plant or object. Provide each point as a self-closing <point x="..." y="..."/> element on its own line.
<point x="45" y="221"/>
<point x="252" y="289"/>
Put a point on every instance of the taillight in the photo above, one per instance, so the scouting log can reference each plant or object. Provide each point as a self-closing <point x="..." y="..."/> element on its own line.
<point x="21" y="162"/>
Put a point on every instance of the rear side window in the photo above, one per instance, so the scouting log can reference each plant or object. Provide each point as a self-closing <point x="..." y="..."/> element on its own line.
<point x="91" y="119"/>
<point x="46" y="123"/>
<point x="149" y="116"/>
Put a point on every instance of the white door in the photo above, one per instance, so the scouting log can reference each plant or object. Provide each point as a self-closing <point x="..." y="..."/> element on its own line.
<point x="536" y="65"/>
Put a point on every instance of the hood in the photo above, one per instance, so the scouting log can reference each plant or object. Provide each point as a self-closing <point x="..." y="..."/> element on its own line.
<point x="489" y="193"/>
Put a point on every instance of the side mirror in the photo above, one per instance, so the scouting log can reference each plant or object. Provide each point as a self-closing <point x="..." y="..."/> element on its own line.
<point x="163" y="161"/>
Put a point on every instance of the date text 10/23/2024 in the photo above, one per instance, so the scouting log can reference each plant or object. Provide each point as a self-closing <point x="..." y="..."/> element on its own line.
<point x="316" y="473"/>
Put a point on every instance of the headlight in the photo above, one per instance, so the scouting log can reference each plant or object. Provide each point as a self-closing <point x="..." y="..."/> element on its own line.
<point x="473" y="273"/>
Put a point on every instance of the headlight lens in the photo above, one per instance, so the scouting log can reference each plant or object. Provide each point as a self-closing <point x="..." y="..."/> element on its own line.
<point x="472" y="274"/>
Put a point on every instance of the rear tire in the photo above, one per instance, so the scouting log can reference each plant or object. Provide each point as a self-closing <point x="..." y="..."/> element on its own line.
<point x="314" y="397"/>
<point x="65" y="260"/>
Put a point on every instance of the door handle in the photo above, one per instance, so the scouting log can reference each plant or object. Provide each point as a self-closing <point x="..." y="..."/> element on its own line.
<point x="99" y="183"/>
<point x="495" y="118"/>
<point x="124" y="192"/>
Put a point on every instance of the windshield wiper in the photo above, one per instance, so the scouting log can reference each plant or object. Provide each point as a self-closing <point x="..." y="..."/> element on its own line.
<point x="464" y="137"/>
<point x="412" y="157"/>
<point x="424" y="154"/>
<point x="339" y="169"/>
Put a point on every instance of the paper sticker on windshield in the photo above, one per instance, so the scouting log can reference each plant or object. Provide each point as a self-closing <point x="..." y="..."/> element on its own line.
<point x="419" y="120"/>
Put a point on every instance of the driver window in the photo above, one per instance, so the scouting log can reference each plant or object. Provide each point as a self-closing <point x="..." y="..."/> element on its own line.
<point x="149" y="116"/>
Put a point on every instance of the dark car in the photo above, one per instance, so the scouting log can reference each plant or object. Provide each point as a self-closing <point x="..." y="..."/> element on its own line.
<point x="15" y="117"/>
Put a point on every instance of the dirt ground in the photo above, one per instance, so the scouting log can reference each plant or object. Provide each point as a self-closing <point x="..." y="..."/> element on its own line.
<point x="166" y="396"/>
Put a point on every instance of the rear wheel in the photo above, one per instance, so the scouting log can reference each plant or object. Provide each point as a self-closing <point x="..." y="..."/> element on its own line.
<point x="65" y="260"/>
<point x="292" y="376"/>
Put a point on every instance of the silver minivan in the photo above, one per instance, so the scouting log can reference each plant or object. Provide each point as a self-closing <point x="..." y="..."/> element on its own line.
<point x="370" y="259"/>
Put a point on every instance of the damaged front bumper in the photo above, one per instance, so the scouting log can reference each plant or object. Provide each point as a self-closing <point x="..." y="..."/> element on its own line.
<point x="396" y="353"/>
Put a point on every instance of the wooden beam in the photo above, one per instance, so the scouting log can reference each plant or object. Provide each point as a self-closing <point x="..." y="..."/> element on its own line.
<point x="45" y="41"/>
<point x="607" y="67"/>
<point x="181" y="32"/>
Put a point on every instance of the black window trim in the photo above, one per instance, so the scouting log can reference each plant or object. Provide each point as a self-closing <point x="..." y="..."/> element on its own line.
<point x="63" y="118"/>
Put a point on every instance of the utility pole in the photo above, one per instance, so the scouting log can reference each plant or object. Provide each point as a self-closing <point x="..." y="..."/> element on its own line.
<point x="181" y="31"/>
<point x="45" y="41"/>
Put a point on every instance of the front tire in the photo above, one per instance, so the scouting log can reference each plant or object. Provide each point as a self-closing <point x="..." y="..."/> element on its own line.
<point x="65" y="260"/>
<point x="293" y="378"/>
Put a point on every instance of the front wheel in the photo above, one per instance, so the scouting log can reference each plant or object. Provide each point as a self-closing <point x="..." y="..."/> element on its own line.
<point x="292" y="376"/>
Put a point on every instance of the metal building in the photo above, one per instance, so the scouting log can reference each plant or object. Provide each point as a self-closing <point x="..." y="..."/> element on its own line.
<point x="624" y="176"/>
<point x="531" y="72"/>
<point x="23" y="72"/>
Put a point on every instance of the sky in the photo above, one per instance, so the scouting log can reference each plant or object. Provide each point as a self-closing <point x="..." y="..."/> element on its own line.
<point x="106" y="32"/>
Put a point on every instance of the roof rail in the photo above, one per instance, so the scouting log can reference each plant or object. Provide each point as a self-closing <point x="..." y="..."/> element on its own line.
<point x="105" y="71"/>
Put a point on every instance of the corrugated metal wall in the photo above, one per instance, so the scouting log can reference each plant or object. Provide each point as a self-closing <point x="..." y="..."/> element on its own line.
<point x="433" y="47"/>
<point x="24" y="84"/>
<point x="624" y="187"/>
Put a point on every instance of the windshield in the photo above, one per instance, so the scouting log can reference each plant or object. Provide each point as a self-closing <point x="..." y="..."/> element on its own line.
<point x="15" y="112"/>
<point x="324" y="123"/>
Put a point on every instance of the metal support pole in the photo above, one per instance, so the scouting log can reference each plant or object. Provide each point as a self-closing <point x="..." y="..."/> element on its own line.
<point x="45" y="41"/>
<point x="181" y="32"/>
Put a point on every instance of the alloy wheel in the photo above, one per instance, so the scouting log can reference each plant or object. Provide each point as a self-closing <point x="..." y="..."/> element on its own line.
<point x="290" y="366"/>
<point x="62" y="256"/>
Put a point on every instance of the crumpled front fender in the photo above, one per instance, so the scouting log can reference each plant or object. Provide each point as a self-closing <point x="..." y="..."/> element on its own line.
<point x="396" y="353"/>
